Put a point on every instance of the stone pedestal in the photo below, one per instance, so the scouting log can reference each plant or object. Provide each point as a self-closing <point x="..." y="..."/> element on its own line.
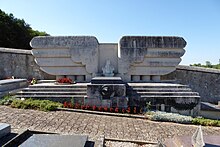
<point x="106" y="91"/>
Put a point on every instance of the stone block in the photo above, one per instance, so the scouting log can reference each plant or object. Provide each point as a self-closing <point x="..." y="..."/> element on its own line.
<point x="4" y="129"/>
<point x="43" y="140"/>
<point x="120" y="102"/>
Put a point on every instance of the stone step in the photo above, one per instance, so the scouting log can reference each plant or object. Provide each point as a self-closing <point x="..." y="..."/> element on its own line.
<point x="157" y="86"/>
<point x="50" y="96"/>
<point x="161" y="89"/>
<point x="58" y="86"/>
<point x="163" y="96"/>
<point x="54" y="89"/>
<point x="168" y="93"/>
<point x="50" y="93"/>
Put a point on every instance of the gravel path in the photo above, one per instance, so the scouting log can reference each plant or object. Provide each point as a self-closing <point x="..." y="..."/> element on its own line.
<point x="95" y="125"/>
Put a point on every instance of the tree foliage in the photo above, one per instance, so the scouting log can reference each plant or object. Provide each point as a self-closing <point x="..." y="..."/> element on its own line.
<point x="16" y="33"/>
<point x="207" y="65"/>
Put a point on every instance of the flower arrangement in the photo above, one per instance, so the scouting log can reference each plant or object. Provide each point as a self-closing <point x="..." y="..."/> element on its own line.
<point x="64" y="80"/>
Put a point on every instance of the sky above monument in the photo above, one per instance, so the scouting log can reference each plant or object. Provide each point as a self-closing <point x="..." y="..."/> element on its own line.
<point x="197" y="21"/>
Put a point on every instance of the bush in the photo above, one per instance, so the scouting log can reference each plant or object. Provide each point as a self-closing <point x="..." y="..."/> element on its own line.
<point x="206" y="122"/>
<point x="6" y="100"/>
<point x="171" y="117"/>
<point x="43" y="105"/>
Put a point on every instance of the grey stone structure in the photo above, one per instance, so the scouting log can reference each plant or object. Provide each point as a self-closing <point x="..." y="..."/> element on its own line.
<point x="205" y="81"/>
<point x="135" y="58"/>
<point x="20" y="64"/>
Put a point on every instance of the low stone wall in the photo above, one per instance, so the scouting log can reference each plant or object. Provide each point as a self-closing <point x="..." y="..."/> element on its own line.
<point x="206" y="81"/>
<point x="20" y="64"/>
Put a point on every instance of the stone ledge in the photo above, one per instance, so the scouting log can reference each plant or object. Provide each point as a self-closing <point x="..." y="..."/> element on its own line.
<point x="15" y="51"/>
<point x="198" y="69"/>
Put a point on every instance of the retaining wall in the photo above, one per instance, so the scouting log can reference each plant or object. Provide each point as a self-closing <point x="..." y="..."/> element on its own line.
<point x="20" y="64"/>
<point x="206" y="81"/>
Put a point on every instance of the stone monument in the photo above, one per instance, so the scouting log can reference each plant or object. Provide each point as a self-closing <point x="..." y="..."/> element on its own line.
<point x="134" y="59"/>
<point x="119" y="74"/>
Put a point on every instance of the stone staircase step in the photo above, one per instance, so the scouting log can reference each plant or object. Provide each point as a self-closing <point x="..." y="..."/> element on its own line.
<point x="57" y="86"/>
<point x="161" y="89"/>
<point x="55" y="89"/>
<point x="162" y="96"/>
<point x="50" y="93"/>
<point x="50" y="96"/>
<point x="168" y="93"/>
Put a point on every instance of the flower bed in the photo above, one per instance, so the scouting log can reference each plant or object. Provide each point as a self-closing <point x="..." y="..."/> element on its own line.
<point x="128" y="110"/>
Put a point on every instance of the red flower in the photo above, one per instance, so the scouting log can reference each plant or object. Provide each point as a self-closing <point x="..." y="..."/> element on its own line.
<point x="111" y="109"/>
<point x="94" y="108"/>
<point x="135" y="110"/>
<point x="65" y="105"/>
<point x="105" y="109"/>
<point x="83" y="107"/>
<point x="100" y="108"/>
<point x="70" y="105"/>
<point x="128" y="110"/>
<point x="87" y="107"/>
<point x="123" y="110"/>
<point x="116" y="110"/>
<point x="77" y="106"/>
<point x="64" y="80"/>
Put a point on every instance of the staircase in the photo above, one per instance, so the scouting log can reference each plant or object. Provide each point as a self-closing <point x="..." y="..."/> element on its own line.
<point x="50" y="91"/>
<point x="161" y="93"/>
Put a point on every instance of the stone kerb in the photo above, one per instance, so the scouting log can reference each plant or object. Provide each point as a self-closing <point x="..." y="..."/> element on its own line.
<point x="67" y="55"/>
<point x="145" y="58"/>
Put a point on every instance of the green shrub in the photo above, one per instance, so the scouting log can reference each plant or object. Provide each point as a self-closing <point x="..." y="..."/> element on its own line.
<point x="43" y="105"/>
<point x="171" y="117"/>
<point x="6" y="100"/>
<point x="206" y="122"/>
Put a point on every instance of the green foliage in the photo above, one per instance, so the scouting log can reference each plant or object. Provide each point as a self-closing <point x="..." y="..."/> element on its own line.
<point x="43" y="105"/>
<point x="207" y="65"/>
<point x="171" y="117"/>
<point x="6" y="100"/>
<point x="16" y="33"/>
<point x="206" y="122"/>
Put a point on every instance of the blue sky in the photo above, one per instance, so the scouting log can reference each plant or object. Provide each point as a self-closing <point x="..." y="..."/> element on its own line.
<point x="198" y="21"/>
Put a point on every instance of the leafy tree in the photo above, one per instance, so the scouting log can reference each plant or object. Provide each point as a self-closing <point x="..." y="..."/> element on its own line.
<point x="16" y="33"/>
<point x="207" y="65"/>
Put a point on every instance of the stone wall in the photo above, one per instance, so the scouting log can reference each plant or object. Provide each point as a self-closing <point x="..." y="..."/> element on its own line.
<point x="20" y="64"/>
<point x="203" y="80"/>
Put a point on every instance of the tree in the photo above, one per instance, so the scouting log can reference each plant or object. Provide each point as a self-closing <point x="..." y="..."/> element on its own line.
<point x="16" y="33"/>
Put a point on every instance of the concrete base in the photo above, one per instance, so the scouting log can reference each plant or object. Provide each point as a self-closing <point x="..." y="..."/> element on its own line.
<point x="55" y="140"/>
<point x="4" y="129"/>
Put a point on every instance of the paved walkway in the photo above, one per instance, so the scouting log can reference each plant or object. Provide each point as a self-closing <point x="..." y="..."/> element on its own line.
<point x="96" y="125"/>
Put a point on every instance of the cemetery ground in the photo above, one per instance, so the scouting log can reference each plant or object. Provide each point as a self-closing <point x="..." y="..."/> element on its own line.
<point x="93" y="125"/>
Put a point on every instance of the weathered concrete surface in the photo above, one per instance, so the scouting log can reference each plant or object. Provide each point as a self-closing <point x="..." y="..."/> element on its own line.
<point x="79" y="52"/>
<point x="133" y="58"/>
<point x="20" y="64"/>
<point x="96" y="125"/>
<point x="205" y="81"/>
<point x="149" y="56"/>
